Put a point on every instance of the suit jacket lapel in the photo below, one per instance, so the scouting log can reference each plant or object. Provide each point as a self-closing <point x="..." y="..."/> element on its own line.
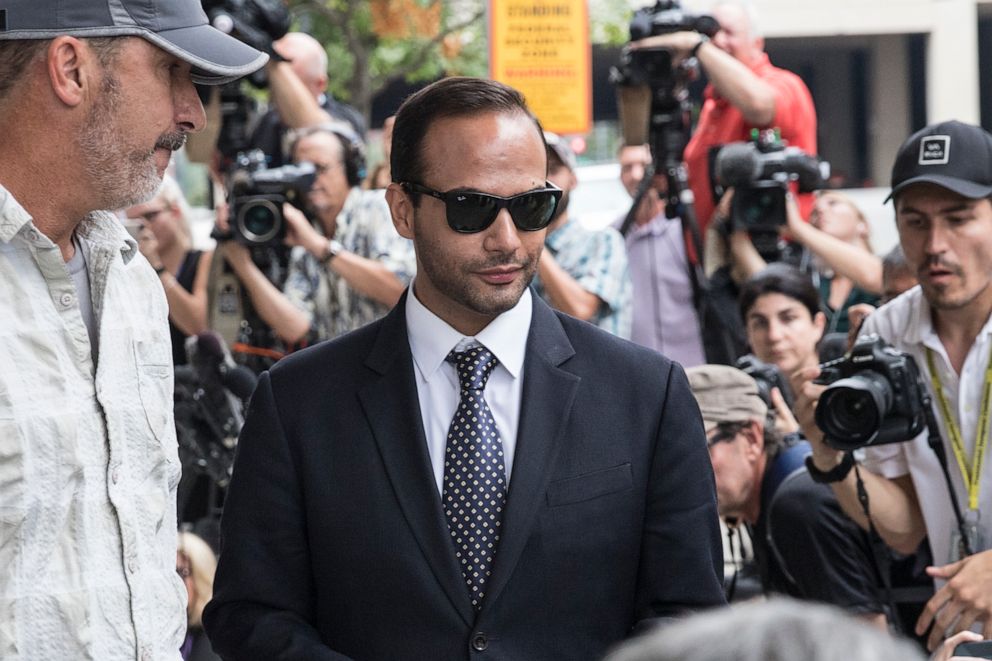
<point x="546" y="403"/>
<point x="393" y="411"/>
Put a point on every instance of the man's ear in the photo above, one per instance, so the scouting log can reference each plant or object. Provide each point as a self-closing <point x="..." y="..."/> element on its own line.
<point x="71" y="69"/>
<point x="401" y="208"/>
<point x="754" y="436"/>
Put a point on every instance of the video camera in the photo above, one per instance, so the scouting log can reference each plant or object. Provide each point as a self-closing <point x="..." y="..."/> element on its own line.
<point x="257" y="23"/>
<point x="767" y="376"/>
<point x="257" y="194"/>
<point x="651" y="91"/>
<point x="760" y="172"/>
<point x="875" y="396"/>
<point x="210" y="394"/>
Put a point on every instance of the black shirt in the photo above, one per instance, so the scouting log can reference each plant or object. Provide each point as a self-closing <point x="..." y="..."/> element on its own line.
<point x="807" y="548"/>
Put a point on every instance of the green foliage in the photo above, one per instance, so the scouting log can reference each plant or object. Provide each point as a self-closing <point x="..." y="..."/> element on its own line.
<point x="362" y="63"/>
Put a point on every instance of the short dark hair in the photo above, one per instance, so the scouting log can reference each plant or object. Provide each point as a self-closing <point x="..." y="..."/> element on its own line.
<point x="450" y="97"/>
<point x="17" y="54"/>
<point x="782" y="279"/>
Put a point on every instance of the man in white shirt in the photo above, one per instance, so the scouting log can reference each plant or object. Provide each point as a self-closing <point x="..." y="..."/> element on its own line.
<point x="474" y="473"/>
<point x="941" y="183"/>
<point x="94" y="97"/>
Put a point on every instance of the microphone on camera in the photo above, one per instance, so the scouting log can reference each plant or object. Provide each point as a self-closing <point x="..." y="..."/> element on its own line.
<point x="738" y="164"/>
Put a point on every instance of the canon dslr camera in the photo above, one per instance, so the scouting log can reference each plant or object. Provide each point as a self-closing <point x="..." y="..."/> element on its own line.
<point x="875" y="396"/>
<point x="257" y="195"/>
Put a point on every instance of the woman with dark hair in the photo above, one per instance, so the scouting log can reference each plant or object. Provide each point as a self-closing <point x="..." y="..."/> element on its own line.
<point x="783" y="318"/>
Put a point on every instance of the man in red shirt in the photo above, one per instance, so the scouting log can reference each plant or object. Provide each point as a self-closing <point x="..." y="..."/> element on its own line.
<point x="745" y="91"/>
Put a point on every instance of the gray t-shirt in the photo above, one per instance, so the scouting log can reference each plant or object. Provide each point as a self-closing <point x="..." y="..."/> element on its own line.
<point x="80" y="278"/>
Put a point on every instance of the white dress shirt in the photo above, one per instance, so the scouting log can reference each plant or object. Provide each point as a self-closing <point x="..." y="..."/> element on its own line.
<point x="432" y="339"/>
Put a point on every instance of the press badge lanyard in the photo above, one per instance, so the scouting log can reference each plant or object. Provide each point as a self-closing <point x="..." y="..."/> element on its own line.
<point x="971" y="478"/>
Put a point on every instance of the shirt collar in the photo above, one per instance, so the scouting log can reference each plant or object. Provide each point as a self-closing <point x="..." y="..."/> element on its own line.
<point x="432" y="338"/>
<point x="101" y="227"/>
<point x="106" y="230"/>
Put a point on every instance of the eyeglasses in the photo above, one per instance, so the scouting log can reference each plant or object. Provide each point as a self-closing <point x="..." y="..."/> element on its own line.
<point x="150" y="215"/>
<point x="722" y="435"/>
<point x="471" y="211"/>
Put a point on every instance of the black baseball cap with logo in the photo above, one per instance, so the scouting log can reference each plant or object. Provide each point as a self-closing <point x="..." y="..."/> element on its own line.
<point x="952" y="155"/>
<point x="179" y="27"/>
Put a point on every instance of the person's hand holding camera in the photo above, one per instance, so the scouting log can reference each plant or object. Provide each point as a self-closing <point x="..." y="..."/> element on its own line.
<point x="300" y="232"/>
<point x="807" y="397"/>
<point x="785" y="421"/>
<point x="681" y="44"/>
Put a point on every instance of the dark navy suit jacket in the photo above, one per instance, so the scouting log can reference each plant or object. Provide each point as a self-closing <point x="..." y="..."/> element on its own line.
<point x="335" y="545"/>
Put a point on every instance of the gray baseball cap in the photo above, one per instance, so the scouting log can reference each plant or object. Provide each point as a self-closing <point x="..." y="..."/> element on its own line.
<point x="179" y="27"/>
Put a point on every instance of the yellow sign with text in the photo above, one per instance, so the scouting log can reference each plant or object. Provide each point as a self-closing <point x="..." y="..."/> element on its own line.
<point x="541" y="47"/>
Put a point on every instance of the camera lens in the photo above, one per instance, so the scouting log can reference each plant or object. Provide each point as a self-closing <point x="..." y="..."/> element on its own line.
<point x="850" y="411"/>
<point x="259" y="221"/>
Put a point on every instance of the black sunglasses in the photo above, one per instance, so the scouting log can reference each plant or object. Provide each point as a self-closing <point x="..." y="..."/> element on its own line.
<point x="471" y="211"/>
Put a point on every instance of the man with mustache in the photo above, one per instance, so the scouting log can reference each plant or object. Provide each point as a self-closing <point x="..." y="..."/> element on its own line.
<point x="941" y="183"/>
<point x="94" y="98"/>
<point x="475" y="475"/>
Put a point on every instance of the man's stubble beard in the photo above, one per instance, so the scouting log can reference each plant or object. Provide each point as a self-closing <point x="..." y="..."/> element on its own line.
<point x="453" y="280"/>
<point x="120" y="176"/>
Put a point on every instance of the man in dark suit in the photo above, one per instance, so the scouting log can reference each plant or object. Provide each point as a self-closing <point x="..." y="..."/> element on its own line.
<point x="475" y="475"/>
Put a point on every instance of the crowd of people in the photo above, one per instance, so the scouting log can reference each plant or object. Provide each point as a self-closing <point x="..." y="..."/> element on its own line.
<point x="477" y="428"/>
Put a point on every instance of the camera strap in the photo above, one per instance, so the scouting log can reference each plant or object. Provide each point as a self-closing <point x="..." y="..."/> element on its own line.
<point x="973" y="476"/>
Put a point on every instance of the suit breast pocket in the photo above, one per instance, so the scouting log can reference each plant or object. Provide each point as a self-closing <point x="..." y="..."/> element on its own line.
<point x="590" y="485"/>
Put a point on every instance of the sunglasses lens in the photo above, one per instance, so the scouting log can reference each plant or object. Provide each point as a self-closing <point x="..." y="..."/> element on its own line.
<point x="471" y="212"/>
<point x="533" y="211"/>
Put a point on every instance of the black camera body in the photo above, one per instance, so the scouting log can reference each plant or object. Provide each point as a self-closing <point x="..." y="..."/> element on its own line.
<point x="651" y="89"/>
<point x="760" y="172"/>
<point x="666" y="17"/>
<point x="875" y="395"/>
<point x="767" y="376"/>
<point x="257" y="195"/>
<point x="653" y="67"/>
<point x="256" y="22"/>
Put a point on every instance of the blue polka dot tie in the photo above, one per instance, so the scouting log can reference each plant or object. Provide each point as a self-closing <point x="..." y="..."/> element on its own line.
<point x="474" y="476"/>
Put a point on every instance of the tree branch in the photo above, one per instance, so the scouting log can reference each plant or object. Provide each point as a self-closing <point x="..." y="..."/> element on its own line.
<point x="420" y="56"/>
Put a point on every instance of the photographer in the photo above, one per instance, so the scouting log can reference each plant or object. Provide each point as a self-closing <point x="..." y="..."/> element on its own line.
<point x="783" y="319"/>
<point x="941" y="183"/>
<point x="299" y="97"/>
<point x="348" y="268"/>
<point x="804" y="545"/>
<point x="844" y="269"/>
<point x="745" y="91"/>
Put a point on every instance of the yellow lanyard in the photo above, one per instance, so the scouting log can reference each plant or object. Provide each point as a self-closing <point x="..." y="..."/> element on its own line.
<point x="972" y="477"/>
